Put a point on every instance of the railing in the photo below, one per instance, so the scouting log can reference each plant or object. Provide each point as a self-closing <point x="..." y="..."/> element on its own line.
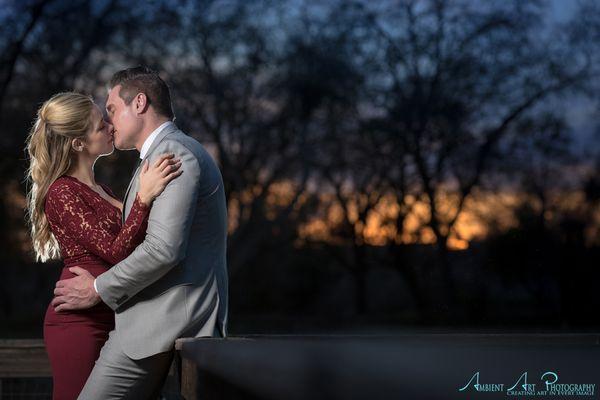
<point x="416" y="366"/>
<point x="23" y="367"/>
<point x="411" y="366"/>
<point x="23" y="359"/>
<point x="25" y="372"/>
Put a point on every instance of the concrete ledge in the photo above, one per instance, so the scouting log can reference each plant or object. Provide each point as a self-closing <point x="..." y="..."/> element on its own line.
<point x="412" y="366"/>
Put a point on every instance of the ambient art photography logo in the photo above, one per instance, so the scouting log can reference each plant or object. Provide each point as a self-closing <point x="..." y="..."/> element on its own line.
<point x="547" y="385"/>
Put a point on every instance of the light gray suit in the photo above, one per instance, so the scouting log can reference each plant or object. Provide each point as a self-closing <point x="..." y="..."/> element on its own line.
<point x="174" y="284"/>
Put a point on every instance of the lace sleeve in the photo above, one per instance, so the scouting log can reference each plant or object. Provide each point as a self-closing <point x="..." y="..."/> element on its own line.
<point x="79" y="221"/>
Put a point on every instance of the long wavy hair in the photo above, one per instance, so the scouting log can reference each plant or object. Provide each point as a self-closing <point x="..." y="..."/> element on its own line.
<point x="62" y="118"/>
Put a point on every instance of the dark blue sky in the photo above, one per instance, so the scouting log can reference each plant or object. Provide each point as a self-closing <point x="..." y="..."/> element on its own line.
<point x="562" y="9"/>
<point x="582" y="113"/>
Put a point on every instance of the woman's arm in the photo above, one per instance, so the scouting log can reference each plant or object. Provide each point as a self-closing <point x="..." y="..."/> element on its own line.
<point x="78" y="220"/>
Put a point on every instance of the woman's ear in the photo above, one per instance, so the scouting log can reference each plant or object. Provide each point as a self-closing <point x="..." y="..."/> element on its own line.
<point x="77" y="145"/>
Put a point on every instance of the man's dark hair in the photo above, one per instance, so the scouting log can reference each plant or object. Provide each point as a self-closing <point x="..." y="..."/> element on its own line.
<point x="144" y="80"/>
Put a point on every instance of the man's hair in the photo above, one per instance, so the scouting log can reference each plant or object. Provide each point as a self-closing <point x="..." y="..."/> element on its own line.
<point x="144" y="80"/>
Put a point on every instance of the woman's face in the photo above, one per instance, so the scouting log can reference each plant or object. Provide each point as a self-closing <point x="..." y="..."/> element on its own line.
<point x="99" y="139"/>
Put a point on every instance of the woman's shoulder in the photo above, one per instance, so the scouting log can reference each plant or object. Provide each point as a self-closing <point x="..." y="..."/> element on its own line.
<point x="63" y="182"/>
<point x="57" y="190"/>
<point x="62" y="188"/>
<point x="66" y="186"/>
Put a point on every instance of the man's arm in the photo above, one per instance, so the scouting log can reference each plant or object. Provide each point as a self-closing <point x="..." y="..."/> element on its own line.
<point x="166" y="238"/>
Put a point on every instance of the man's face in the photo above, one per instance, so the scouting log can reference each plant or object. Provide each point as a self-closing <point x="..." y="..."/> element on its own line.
<point x="126" y="121"/>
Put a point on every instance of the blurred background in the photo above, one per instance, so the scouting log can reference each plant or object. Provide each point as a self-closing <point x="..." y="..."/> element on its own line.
<point x="388" y="165"/>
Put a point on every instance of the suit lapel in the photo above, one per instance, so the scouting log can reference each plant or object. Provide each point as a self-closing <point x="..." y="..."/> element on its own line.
<point x="125" y="205"/>
<point x="165" y="132"/>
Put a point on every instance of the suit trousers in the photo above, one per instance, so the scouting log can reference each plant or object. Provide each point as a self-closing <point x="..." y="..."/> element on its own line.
<point x="116" y="376"/>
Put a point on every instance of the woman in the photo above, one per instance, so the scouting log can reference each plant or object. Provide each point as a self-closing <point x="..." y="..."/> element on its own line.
<point x="73" y="217"/>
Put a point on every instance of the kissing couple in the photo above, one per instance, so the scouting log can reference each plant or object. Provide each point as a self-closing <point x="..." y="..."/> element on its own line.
<point x="138" y="273"/>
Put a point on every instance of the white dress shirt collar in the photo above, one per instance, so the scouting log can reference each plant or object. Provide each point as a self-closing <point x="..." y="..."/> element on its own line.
<point x="148" y="142"/>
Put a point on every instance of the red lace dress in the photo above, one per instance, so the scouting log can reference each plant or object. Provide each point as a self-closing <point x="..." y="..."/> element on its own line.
<point x="90" y="235"/>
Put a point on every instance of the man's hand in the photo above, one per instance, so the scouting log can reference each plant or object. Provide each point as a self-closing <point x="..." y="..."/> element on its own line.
<point x="75" y="293"/>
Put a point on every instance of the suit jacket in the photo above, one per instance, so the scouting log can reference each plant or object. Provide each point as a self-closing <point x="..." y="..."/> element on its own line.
<point x="175" y="283"/>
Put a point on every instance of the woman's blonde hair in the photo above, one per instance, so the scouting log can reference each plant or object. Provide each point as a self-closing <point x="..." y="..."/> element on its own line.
<point x="62" y="118"/>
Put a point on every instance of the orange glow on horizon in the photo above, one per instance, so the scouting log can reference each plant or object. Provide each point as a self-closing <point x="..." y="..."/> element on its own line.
<point x="483" y="213"/>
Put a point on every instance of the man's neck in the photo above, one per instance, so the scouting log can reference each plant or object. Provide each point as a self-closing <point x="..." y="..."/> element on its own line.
<point x="147" y="131"/>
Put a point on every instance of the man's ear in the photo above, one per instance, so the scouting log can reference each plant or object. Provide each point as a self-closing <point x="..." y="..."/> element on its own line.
<point x="77" y="145"/>
<point x="141" y="103"/>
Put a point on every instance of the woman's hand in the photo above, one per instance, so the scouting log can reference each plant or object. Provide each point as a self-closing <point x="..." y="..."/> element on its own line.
<point x="153" y="180"/>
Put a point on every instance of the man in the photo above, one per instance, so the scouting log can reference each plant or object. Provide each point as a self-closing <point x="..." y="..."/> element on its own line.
<point x="175" y="283"/>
